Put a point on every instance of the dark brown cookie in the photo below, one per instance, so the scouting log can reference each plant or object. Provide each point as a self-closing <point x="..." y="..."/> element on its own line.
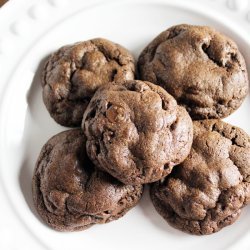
<point x="73" y="73"/>
<point x="200" y="67"/>
<point x="70" y="194"/>
<point x="136" y="131"/>
<point x="208" y="190"/>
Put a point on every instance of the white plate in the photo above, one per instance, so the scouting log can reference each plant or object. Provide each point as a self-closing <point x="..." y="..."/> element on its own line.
<point x="30" y="30"/>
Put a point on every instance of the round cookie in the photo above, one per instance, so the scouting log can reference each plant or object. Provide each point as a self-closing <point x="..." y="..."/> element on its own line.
<point x="136" y="131"/>
<point x="70" y="194"/>
<point x="74" y="72"/>
<point x="200" y="67"/>
<point x="209" y="189"/>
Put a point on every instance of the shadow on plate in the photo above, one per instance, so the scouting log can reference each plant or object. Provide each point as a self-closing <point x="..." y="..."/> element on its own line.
<point x="28" y="166"/>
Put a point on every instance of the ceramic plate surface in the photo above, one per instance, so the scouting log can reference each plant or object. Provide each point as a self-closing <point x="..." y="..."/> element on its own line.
<point x="29" y="32"/>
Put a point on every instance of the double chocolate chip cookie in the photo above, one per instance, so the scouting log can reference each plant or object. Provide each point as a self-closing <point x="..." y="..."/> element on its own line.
<point x="203" y="69"/>
<point x="73" y="73"/>
<point x="70" y="194"/>
<point x="209" y="189"/>
<point x="136" y="131"/>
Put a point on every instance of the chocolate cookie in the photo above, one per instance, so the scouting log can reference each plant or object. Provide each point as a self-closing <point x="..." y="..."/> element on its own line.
<point x="136" y="131"/>
<point x="200" y="67"/>
<point x="208" y="190"/>
<point x="70" y="194"/>
<point x="73" y="73"/>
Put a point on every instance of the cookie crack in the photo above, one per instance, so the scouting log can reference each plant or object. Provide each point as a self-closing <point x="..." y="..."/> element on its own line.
<point x="232" y="132"/>
<point x="206" y="49"/>
<point x="225" y="63"/>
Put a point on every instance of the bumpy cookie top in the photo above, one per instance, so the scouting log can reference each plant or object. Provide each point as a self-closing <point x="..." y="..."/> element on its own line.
<point x="136" y="131"/>
<point x="207" y="191"/>
<point x="200" y="67"/>
<point x="73" y="73"/>
<point x="69" y="193"/>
